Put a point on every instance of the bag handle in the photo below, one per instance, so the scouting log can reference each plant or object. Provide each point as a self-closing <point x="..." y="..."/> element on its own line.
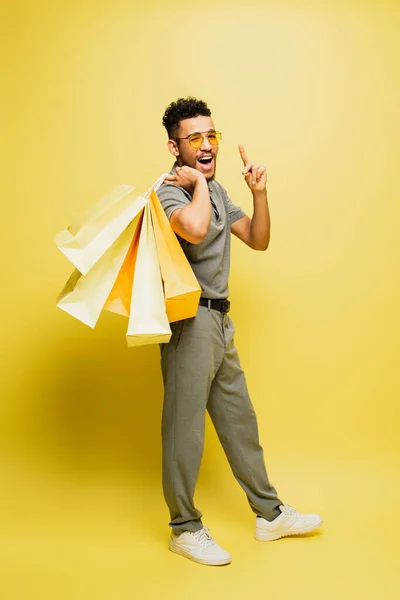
<point x="158" y="183"/>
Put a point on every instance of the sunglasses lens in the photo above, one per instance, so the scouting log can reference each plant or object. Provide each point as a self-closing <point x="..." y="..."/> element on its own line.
<point x="196" y="140"/>
<point x="213" y="138"/>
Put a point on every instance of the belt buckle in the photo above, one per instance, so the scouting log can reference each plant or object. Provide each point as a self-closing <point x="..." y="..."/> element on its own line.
<point x="225" y="306"/>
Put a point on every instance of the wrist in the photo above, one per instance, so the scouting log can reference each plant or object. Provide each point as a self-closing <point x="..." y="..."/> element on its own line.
<point x="260" y="194"/>
<point x="200" y="179"/>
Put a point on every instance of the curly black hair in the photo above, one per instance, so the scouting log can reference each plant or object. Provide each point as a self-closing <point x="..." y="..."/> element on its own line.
<point x="183" y="108"/>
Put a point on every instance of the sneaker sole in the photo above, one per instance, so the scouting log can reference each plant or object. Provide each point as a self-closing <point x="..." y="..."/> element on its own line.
<point x="202" y="561"/>
<point x="264" y="536"/>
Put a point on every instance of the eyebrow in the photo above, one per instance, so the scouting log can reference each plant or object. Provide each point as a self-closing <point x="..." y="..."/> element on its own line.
<point x="200" y="132"/>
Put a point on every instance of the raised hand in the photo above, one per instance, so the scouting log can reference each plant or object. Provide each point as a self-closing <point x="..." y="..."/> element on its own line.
<point x="254" y="174"/>
<point x="185" y="177"/>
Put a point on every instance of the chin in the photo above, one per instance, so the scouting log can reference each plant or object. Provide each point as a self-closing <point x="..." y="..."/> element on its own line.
<point x="210" y="176"/>
<point x="207" y="176"/>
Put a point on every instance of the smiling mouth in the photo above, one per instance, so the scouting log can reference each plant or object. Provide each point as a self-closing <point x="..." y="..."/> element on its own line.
<point x="205" y="160"/>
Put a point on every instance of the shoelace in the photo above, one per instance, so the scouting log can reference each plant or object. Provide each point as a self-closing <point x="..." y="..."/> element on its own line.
<point x="289" y="511"/>
<point x="203" y="537"/>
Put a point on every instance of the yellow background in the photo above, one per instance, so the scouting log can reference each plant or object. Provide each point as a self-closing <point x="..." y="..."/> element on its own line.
<point x="312" y="91"/>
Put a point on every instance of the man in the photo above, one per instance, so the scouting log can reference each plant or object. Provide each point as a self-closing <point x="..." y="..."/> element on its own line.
<point x="200" y="364"/>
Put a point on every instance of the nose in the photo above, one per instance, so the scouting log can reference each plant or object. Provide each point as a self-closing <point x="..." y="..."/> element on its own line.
<point x="205" y="144"/>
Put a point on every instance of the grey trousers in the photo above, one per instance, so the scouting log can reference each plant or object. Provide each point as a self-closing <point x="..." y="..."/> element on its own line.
<point x="201" y="371"/>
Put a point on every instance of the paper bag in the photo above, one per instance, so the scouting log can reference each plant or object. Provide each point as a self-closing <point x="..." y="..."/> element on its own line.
<point x="90" y="236"/>
<point x="84" y="296"/>
<point x="148" y="322"/>
<point x="181" y="289"/>
<point x="119" y="300"/>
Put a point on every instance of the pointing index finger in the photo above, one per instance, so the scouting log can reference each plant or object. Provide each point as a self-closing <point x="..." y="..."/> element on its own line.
<point x="243" y="155"/>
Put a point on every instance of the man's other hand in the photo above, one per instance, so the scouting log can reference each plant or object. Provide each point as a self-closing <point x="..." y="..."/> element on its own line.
<point x="254" y="174"/>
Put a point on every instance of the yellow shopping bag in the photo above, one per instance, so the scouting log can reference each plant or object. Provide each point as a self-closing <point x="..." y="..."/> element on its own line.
<point x="84" y="296"/>
<point x="90" y="236"/>
<point x="148" y="322"/>
<point x="181" y="289"/>
<point x="119" y="300"/>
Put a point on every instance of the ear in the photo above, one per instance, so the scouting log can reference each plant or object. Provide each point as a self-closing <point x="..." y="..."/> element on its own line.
<point x="173" y="148"/>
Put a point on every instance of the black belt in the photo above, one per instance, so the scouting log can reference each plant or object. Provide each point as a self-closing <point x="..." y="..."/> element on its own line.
<point x="222" y="305"/>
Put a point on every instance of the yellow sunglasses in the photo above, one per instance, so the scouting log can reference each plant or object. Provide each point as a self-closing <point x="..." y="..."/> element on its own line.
<point x="196" y="139"/>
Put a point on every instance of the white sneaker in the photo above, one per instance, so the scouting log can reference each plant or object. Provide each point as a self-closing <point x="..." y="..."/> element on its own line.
<point x="289" y="522"/>
<point x="200" y="547"/>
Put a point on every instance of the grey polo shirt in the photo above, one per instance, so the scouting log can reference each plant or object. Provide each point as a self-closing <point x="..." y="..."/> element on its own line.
<point x="210" y="260"/>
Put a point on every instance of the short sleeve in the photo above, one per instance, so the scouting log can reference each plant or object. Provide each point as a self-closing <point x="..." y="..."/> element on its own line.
<point x="172" y="197"/>
<point x="235" y="212"/>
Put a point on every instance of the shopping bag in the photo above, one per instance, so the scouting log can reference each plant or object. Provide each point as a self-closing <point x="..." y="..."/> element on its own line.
<point x="181" y="289"/>
<point x="119" y="300"/>
<point x="84" y="296"/>
<point x="90" y="236"/>
<point x="148" y="321"/>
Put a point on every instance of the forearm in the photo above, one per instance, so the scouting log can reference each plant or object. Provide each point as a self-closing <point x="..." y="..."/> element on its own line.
<point x="195" y="218"/>
<point x="260" y="226"/>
